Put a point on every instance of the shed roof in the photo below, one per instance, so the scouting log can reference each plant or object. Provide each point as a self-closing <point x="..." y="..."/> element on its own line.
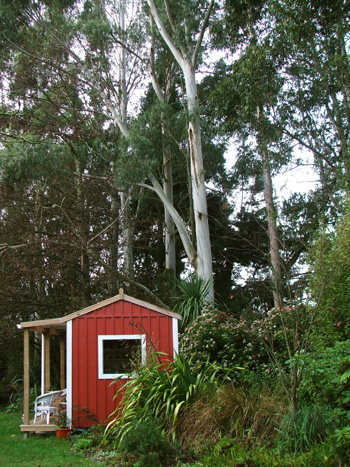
<point x="59" y="324"/>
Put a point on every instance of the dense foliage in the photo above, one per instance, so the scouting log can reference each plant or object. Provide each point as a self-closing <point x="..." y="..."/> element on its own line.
<point x="226" y="340"/>
<point x="129" y="132"/>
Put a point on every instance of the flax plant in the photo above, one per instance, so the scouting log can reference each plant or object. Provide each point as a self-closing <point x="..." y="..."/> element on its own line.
<point x="193" y="296"/>
<point x="162" y="389"/>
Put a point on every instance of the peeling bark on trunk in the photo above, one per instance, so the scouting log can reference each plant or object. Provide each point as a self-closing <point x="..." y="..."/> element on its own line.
<point x="187" y="61"/>
<point x="276" y="269"/>
<point x="199" y="196"/>
<point x="127" y="235"/>
<point x="169" y="227"/>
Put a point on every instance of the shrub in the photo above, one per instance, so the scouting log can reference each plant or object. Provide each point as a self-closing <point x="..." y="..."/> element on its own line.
<point x="329" y="279"/>
<point x="341" y="443"/>
<point x="81" y="444"/>
<point x="326" y="375"/>
<point x="87" y="439"/>
<point x="285" y="331"/>
<point x="326" y="380"/>
<point x="146" y="445"/>
<point x="223" y="339"/>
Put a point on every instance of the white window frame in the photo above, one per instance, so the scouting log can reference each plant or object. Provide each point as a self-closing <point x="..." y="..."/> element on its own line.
<point x="102" y="338"/>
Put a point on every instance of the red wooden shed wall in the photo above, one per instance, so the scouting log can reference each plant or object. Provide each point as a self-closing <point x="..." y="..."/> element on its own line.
<point x="89" y="392"/>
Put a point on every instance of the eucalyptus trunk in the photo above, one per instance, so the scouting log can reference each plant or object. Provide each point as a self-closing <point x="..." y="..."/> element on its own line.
<point x="276" y="267"/>
<point x="167" y="174"/>
<point x="187" y="60"/>
<point x="127" y="235"/>
<point x="169" y="226"/>
<point x="113" y="250"/>
<point x="274" y="240"/>
<point x="199" y="196"/>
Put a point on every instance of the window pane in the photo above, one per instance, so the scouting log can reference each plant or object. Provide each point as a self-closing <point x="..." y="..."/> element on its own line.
<point x="118" y="353"/>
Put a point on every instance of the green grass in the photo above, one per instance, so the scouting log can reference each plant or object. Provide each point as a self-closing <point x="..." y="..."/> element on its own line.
<point x="36" y="450"/>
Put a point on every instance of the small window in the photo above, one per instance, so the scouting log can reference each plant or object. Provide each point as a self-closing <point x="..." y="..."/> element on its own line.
<point x="115" y="354"/>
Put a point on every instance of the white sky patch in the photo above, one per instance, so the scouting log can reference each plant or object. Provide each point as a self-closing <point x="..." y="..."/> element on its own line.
<point x="295" y="178"/>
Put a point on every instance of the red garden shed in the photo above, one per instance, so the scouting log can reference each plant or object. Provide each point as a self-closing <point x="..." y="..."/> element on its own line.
<point x="96" y="344"/>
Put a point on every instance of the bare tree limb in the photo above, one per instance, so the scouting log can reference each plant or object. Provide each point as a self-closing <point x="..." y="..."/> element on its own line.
<point x="201" y="34"/>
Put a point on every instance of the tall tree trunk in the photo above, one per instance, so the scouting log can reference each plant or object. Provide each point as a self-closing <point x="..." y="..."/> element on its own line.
<point x="274" y="240"/>
<point x="199" y="196"/>
<point x="187" y="61"/>
<point x="118" y="114"/>
<point x="127" y="235"/>
<point x="276" y="267"/>
<point x="113" y="253"/>
<point x="167" y="176"/>
<point x="169" y="227"/>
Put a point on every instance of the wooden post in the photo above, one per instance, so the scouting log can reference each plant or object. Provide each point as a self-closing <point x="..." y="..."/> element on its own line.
<point x="62" y="363"/>
<point x="26" y="377"/>
<point x="47" y="361"/>
<point x="42" y="365"/>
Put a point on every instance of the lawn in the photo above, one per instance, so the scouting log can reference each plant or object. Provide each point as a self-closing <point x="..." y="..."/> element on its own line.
<point x="36" y="450"/>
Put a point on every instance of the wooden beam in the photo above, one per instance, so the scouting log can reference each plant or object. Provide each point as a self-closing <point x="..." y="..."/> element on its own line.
<point x="57" y="332"/>
<point x="47" y="377"/>
<point x="38" y="428"/>
<point x="43" y="330"/>
<point x="62" y="362"/>
<point x="26" y="372"/>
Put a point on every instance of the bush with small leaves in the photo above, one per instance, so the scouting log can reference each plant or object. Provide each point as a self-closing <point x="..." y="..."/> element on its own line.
<point x="326" y="376"/>
<point x="146" y="445"/>
<point x="226" y="340"/>
<point x="87" y="439"/>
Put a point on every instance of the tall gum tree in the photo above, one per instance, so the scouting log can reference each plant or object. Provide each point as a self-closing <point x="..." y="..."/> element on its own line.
<point x="186" y="55"/>
<point x="102" y="84"/>
<point x="126" y="225"/>
<point x="165" y="192"/>
<point x="199" y="257"/>
<point x="253" y="85"/>
<point x="163" y="95"/>
<point x="274" y="238"/>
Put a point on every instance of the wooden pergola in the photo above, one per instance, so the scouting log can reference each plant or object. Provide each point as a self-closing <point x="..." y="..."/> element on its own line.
<point x="47" y="328"/>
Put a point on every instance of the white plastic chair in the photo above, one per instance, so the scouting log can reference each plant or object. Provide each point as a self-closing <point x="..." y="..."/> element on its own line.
<point x="48" y="404"/>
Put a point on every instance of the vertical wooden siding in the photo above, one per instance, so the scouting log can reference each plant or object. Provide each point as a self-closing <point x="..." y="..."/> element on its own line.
<point x="89" y="394"/>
